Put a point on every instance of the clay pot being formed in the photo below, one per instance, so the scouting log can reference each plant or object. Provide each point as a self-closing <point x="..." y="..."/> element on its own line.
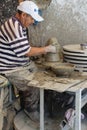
<point x="54" y="57"/>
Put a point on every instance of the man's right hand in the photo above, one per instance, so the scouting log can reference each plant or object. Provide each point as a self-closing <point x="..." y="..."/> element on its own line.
<point x="50" y="48"/>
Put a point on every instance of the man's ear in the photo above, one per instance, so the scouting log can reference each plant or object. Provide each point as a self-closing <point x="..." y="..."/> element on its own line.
<point x="23" y="15"/>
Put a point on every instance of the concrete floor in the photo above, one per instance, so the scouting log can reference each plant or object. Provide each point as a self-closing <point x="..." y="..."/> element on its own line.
<point x="22" y="122"/>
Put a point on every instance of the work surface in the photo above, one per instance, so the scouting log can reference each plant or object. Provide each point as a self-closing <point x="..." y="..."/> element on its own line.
<point x="46" y="80"/>
<point x="75" y="83"/>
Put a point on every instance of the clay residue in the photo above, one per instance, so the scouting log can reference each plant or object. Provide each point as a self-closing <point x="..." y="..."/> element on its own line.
<point x="42" y="77"/>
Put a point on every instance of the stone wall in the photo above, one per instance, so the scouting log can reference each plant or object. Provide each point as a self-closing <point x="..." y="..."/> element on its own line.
<point x="7" y="9"/>
<point x="67" y="20"/>
<point x="64" y="19"/>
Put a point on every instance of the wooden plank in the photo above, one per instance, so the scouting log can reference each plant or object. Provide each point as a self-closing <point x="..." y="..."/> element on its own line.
<point x="52" y="85"/>
<point x="46" y="81"/>
<point x="81" y="85"/>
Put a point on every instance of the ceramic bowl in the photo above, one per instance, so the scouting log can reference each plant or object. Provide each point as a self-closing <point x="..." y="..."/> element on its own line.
<point x="63" y="69"/>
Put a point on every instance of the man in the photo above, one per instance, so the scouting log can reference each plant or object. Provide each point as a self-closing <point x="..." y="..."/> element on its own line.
<point x="15" y="51"/>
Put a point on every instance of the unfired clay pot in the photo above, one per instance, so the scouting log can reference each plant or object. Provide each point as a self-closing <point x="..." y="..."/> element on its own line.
<point x="54" y="57"/>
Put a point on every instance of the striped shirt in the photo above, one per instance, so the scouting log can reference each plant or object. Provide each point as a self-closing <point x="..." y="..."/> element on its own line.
<point x="14" y="45"/>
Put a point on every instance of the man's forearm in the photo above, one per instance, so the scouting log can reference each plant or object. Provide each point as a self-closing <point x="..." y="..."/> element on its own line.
<point x="36" y="51"/>
<point x="41" y="50"/>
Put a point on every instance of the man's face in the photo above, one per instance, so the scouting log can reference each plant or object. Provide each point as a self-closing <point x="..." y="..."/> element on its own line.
<point x="26" y="20"/>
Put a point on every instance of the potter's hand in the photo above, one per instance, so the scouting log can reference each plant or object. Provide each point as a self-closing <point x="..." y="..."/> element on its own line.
<point x="50" y="48"/>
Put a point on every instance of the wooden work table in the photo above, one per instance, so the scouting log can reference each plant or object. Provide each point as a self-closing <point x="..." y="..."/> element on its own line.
<point x="74" y="84"/>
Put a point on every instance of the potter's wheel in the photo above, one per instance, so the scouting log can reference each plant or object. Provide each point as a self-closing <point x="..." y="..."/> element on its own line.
<point x="73" y="54"/>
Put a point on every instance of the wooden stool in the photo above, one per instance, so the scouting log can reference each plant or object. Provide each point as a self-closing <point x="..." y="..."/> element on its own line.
<point x="4" y="83"/>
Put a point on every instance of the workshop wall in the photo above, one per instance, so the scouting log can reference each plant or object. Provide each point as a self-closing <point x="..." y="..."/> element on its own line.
<point x="64" y="19"/>
<point x="67" y="20"/>
<point x="7" y="9"/>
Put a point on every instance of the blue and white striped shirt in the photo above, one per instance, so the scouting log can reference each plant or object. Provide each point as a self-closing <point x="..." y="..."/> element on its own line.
<point x="14" y="45"/>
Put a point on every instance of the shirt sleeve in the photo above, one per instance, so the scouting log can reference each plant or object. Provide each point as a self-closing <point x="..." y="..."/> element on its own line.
<point x="20" y="44"/>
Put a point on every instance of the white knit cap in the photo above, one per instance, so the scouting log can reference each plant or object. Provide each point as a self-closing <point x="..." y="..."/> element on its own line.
<point x="30" y="8"/>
